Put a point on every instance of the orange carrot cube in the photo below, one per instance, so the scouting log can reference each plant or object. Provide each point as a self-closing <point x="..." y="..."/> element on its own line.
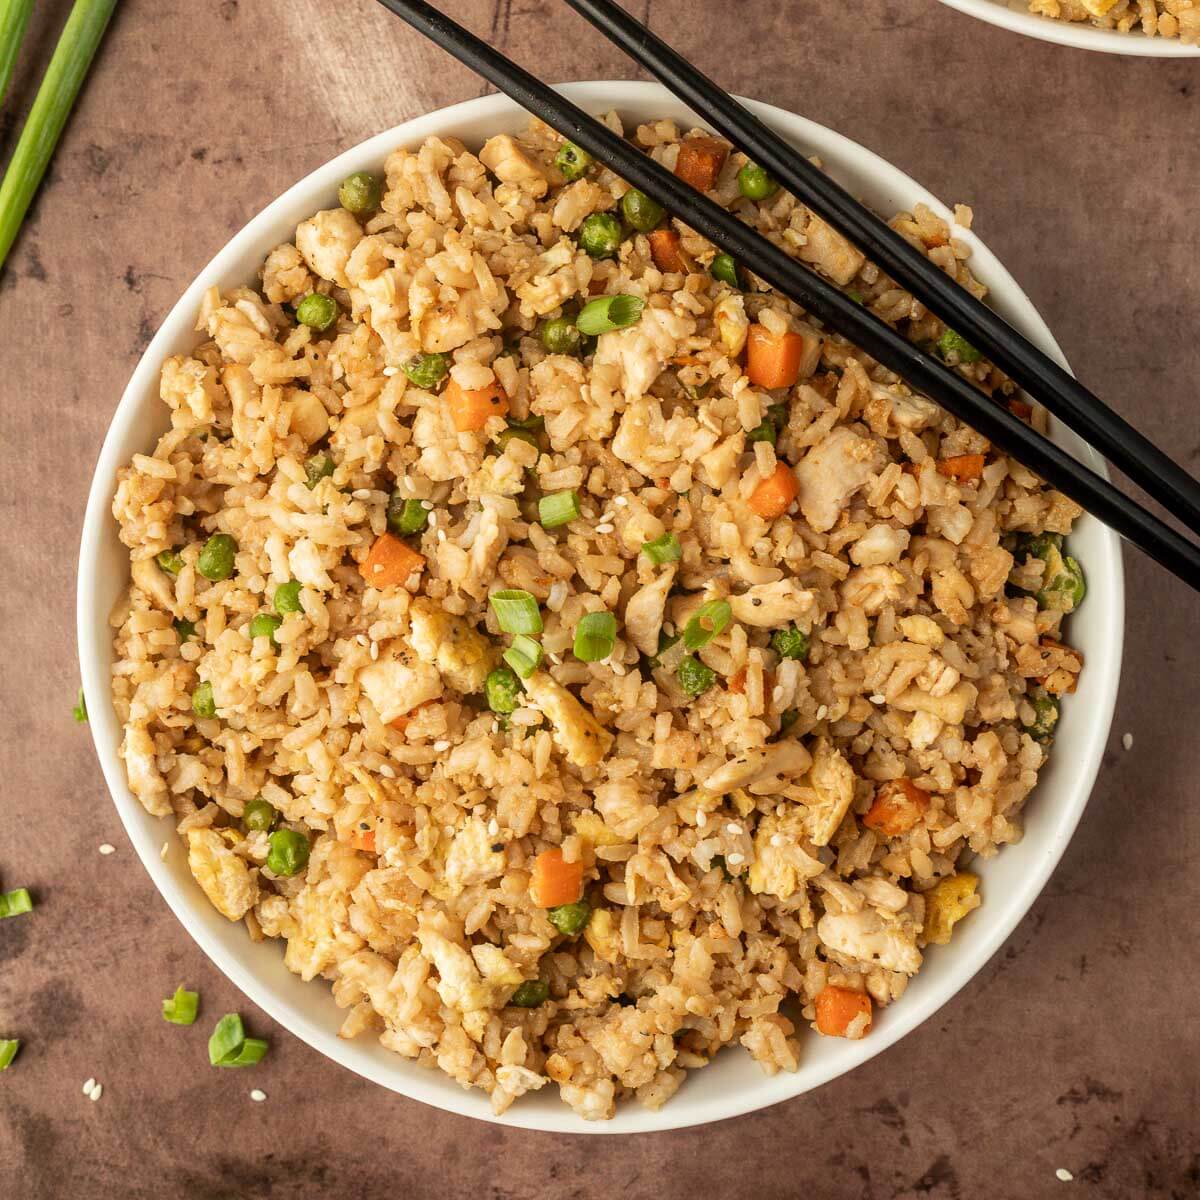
<point x="700" y="161"/>
<point x="470" y="410"/>
<point x="841" y="1012"/>
<point x="555" y="881"/>
<point x="664" y="249"/>
<point x="391" y="562"/>
<point x="899" y="804"/>
<point x="773" y="360"/>
<point x="962" y="467"/>
<point x="774" y="495"/>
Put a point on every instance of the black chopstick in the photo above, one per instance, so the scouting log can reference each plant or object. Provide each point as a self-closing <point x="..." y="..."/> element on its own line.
<point x="927" y="375"/>
<point x="1124" y="446"/>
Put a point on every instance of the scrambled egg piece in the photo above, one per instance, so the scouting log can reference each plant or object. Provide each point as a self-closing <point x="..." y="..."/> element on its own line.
<point x="582" y="738"/>
<point x="591" y="827"/>
<point x="832" y="778"/>
<point x="462" y="655"/>
<point x="947" y="904"/>
<point x="225" y="878"/>
<point x="780" y="864"/>
<point x="471" y="858"/>
<point x="602" y="935"/>
<point x="396" y="687"/>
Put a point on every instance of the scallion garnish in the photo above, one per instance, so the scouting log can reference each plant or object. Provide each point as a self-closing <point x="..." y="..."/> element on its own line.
<point x="665" y="549"/>
<point x="79" y="712"/>
<point x="406" y="516"/>
<point x="13" y="904"/>
<point x="181" y="1008"/>
<point x="253" y="1050"/>
<point x="559" y="508"/>
<point x="595" y="636"/>
<point x="230" y="1047"/>
<point x="14" y="17"/>
<point x="8" y="1051"/>
<point x="606" y="313"/>
<point x="72" y="56"/>
<point x="516" y="611"/>
<point x="706" y="623"/>
<point x="523" y="655"/>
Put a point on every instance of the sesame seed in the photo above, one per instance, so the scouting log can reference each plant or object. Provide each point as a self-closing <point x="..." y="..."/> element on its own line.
<point x="427" y="505"/>
<point x="441" y="535"/>
<point x="878" y="699"/>
<point x="1063" y="1174"/>
<point x="433" y="519"/>
<point x="617" y="668"/>
<point x="361" y="493"/>
<point x="734" y="828"/>
<point x="257" y="1095"/>
<point x="822" y="712"/>
<point x="390" y="371"/>
<point x="1127" y="740"/>
<point x="374" y="650"/>
<point x="735" y="859"/>
<point x="621" y="501"/>
<point x="493" y="827"/>
<point x="386" y="771"/>
<point x="88" y="1085"/>
<point x="701" y="818"/>
<point x="440" y="746"/>
<point x="96" y="1093"/>
<point x="105" y="848"/>
<point x="604" y="527"/>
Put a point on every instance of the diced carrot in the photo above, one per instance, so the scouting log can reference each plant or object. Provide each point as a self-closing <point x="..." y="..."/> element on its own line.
<point x="899" y="804"/>
<point x="773" y="361"/>
<point x="700" y="161"/>
<point x="554" y="881"/>
<point x="470" y="410"/>
<point x="1019" y="408"/>
<point x="364" y="839"/>
<point x="774" y="495"/>
<point x="391" y="562"/>
<point x="736" y="683"/>
<point x="840" y="1012"/>
<point x="962" y="467"/>
<point x="664" y="249"/>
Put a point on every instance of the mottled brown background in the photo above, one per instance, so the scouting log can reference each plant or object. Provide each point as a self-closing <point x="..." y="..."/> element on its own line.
<point x="1075" y="1047"/>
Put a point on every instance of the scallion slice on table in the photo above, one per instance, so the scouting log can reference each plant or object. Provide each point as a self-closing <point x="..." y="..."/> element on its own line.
<point x="79" y="712"/>
<point x="8" y="1051"/>
<point x="230" y="1047"/>
<point x="707" y="622"/>
<point x="72" y="57"/>
<point x="524" y="655"/>
<point x="516" y="611"/>
<point x="559" y="508"/>
<point x="595" y="636"/>
<point x="13" y="904"/>
<point x="606" y="313"/>
<point x="14" y="17"/>
<point x="181" y="1008"/>
<point x="665" y="549"/>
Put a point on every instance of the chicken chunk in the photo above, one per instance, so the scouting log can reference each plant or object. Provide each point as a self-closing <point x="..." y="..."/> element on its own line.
<point x="641" y="351"/>
<point x="644" y="612"/>
<point x="459" y="986"/>
<point x="141" y="768"/>
<point x="867" y="937"/>
<point x="398" y="684"/>
<point x="503" y="156"/>
<point x="830" y="252"/>
<point x="462" y="655"/>
<point x="831" y="472"/>
<point x="768" y="605"/>
<point x="781" y="865"/>
<point x="224" y="877"/>
<point x="582" y="738"/>
<point x="787" y="757"/>
<point x="832" y="778"/>
<point x="326" y="242"/>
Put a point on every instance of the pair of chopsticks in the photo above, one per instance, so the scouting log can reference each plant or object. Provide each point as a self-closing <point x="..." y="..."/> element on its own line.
<point x="64" y="77"/>
<point x="1042" y="379"/>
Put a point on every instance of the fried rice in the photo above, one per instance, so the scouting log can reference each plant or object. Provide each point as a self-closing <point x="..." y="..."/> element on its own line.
<point x="1155" y="18"/>
<point x="743" y="824"/>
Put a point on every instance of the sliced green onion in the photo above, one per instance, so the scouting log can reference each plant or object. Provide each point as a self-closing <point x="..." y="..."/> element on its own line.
<point x="524" y="655"/>
<point x="181" y="1008"/>
<point x="765" y="431"/>
<point x="253" y="1050"/>
<point x="226" y="1040"/>
<point x="559" y="508"/>
<point x="707" y="622"/>
<point x="665" y="549"/>
<point x="79" y="712"/>
<point x="14" y="17"/>
<point x="8" y="1051"/>
<point x="516" y="611"/>
<point x="170" y="561"/>
<point x="954" y="343"/>
<point x="72" y="56"/>
<point x="406" y="516"/>
<point x="13" y="904"/>
<point x="595" y="636"/>
<point x="606" y="313"/>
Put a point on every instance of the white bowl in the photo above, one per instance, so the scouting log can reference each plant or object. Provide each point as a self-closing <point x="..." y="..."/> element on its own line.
<point x="1015" y="15"/>
<point x="733" y="1084"/>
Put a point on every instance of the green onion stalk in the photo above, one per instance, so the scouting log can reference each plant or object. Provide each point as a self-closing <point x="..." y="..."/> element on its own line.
<point x="72" y="57"/>
<point x="14" y="17"/>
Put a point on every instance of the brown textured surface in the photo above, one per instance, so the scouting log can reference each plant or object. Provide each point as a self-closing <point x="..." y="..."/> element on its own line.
<point x="1077" y="1045"/>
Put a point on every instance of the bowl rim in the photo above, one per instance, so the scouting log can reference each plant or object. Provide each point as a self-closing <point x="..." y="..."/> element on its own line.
<point x="691" y="1106"/>
<point x="1076" y="34"/>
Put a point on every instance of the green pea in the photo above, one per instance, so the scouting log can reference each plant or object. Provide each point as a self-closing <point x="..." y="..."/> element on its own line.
<point x="517" y="435"/>
<point x="754" y="183"/>
<point x="695" y="677"/>
<point x="319" y="467"/>
<point x="427" y="370"/>
<point x="361" y="193"/>
<point x="503" y="690"/>
<point x="1045" y="717"/>
<point x="265" y="625"/>
<point x="317" y="312"/>
<point x="641" y="211"/>
<point x="573" y="162"/>
<point x="288" y="854"/>
<point x="216" y="558"/>
<point x="952" y="344"/>
<point x="788" y="718"/>
<point x="203" y="704"/>
<point x="185" y="629"/>
<point x="405" y="515"/>
<point x="169" y="561"/>
<point x="778" y="413"/>
<point x="725" y="268"/>
<point x="533" y="993"/>
<point x="258" y="815"/>
<point x="287" y="598"/>
<point x="570" y="919"/>
<point x="1063" y="585"/>
<point x="790" y="643"/>
<point x="600" y="235"/>
<point x="764" y="432"/>
<point x="1038" y="545"/>
<point x="560" y="336"/>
